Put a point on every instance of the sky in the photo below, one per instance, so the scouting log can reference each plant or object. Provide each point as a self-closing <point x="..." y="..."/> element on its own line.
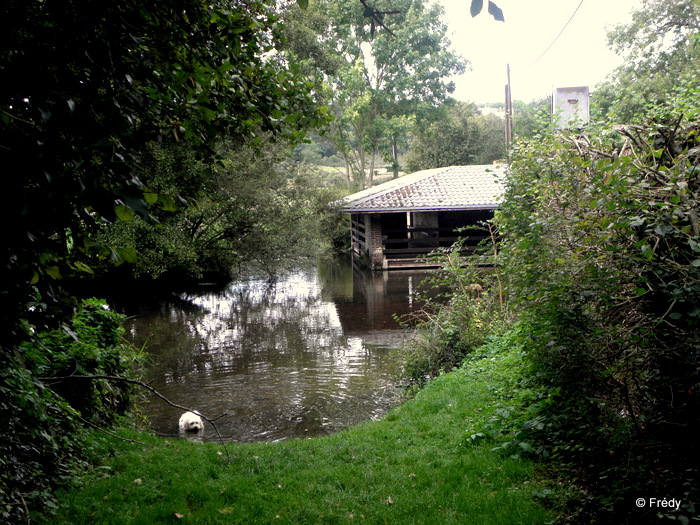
<point x="579" y="57"/>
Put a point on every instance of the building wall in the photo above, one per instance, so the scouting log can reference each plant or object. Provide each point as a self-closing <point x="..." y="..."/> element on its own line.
<point x="375" y="245"/>
<point x="570" y="106"/>
<point x="367" y="243"/>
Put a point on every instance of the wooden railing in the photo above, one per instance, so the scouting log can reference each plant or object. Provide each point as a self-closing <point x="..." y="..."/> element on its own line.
<point x="359" y="237"/>
<point x="418" y="242"/>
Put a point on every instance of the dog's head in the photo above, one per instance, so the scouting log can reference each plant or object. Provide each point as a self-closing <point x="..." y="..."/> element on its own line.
<point x="194" y="426"/>
<point x="191" y="422"/>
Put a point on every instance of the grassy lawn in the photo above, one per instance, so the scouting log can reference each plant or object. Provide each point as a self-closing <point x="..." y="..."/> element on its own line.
<point x="417" y="465"/>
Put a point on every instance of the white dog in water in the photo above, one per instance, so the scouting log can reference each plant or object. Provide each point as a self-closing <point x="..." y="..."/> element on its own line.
<point x="191" y="422"/>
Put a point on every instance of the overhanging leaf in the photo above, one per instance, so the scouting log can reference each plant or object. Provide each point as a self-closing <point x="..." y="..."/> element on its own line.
<point x="477" y="6"/>
<point x="303" y="3"/>
<point x="167" y="202"/>
<point x="496" y="12"/>
<point x="128" y="255"/>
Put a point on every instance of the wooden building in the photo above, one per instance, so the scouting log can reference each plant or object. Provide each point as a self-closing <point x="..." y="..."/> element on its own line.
<point x="396" y="224"/>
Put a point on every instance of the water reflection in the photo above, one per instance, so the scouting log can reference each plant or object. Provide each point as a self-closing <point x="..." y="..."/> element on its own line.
<point x="306" y="355"/>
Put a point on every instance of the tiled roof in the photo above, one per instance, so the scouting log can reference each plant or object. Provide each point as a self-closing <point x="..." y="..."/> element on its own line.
<point x="452" y="188"/>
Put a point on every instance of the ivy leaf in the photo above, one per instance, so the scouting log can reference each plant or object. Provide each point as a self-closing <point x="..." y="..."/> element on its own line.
<point x="167" y="202"/>
<point x="496" y="12"/>
<point x="663" y="229"/>
<point x="477" y="6"/>
<point x="526" y="446"/>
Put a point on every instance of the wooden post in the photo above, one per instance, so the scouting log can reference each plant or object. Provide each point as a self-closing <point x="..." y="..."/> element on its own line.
<point x="509" y="116"/>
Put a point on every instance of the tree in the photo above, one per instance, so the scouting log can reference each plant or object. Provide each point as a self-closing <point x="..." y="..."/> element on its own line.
<point x="382" y="77"/>
<point x="531" y="118"/>
<point x="459" y="137"/>
<point x="659" y="45"/>
<point x="658" y="34"/>
<point x="84" y="86"/>
<point x="90" y="94"/>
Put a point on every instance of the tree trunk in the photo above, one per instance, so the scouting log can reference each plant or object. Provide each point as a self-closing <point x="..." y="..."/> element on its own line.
<point x="395" y="157"/>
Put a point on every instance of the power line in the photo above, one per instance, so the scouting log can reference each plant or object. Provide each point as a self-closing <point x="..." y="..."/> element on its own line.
<point x="560" y="32"/>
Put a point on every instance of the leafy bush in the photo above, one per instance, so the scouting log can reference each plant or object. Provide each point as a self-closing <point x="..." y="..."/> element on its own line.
<point x="456" y="321"/>
<point x="601" y="255"/>
<point x="42" y="433"/>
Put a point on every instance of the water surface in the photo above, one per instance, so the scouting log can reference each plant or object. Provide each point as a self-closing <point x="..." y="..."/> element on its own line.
<point x="313" y="352"/>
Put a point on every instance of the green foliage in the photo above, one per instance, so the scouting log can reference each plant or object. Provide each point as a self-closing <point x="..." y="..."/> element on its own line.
<point x="531" y="119"/>
<point x="454" y="323"/>
<point x="92" y="345"/>
<point x="380" y="80"/>
<point x="42" y="438"/>
<point x="600" y="253"/>
<point x="458" y="137"/>
<point x="658" y="45"/>
<point x="658" y="34"/>
<point x="264" y="210"/>
<point x="106" y="79"/>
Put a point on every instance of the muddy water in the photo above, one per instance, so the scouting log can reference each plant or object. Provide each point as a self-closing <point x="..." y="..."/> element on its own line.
<point x="316" y="351"/>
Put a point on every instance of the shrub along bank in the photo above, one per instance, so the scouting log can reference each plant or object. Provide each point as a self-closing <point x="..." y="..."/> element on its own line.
<point x="598" y="267"/>
<point x="601" y="262"/>
<point x="43" y="431"/>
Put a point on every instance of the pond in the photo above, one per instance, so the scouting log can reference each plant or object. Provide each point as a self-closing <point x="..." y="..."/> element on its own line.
<point x="315" y="351"/>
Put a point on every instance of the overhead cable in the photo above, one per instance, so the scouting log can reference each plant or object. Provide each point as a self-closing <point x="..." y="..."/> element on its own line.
<point x="560" y="32"/>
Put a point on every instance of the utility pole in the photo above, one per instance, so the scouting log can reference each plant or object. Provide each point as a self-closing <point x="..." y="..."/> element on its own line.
<point x="509" y="116"/>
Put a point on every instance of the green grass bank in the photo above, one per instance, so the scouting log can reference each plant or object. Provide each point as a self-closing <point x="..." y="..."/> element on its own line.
<point x="421" y="464"/>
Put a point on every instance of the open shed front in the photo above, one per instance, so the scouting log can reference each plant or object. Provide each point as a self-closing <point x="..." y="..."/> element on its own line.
<point x="396" y="224"/>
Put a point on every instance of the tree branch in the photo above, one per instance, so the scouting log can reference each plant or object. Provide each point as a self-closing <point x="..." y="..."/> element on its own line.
<point x="375" y="16"/>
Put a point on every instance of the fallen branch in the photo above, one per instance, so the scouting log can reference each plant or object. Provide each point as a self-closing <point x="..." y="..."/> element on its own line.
<point x="154" y="391"/>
